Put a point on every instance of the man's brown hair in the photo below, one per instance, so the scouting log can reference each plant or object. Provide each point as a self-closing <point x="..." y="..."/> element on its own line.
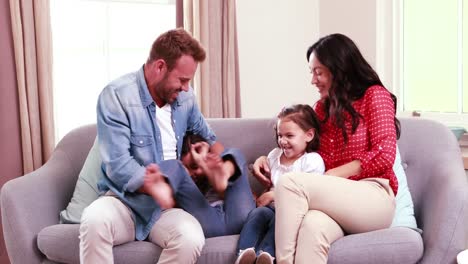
<point x="171" y="45"/>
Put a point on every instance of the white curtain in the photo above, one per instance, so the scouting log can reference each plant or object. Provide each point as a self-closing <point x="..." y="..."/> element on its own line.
<point x="213" y="22"/>
<point x="31" y="29"/>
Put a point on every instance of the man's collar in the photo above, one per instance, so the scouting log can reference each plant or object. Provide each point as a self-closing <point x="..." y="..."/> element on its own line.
<point x="145" y="95"/>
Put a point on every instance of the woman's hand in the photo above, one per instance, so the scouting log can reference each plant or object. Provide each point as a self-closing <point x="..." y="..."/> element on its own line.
<point x="265" y="199"/>
<point x="261" y="171"/>
<point x="346" y="170"/>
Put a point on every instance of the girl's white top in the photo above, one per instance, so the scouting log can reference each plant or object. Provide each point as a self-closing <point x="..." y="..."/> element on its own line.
<point x="309" y="162"/>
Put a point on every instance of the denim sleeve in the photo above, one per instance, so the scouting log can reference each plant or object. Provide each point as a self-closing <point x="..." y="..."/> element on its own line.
<point x="198" y="124"/>
<point x="114" y="143"/>
<point x="238" y="159"/>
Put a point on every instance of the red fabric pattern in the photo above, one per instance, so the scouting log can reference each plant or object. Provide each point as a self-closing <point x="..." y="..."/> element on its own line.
<point x="373" y="143"/>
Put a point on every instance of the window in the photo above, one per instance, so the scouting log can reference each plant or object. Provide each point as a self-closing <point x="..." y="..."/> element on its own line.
<point x="94" y="42"/>
<point x="432" y="59"/>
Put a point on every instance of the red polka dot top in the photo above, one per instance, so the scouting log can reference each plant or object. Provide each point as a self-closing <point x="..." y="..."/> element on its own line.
<point x="373" y="143"/>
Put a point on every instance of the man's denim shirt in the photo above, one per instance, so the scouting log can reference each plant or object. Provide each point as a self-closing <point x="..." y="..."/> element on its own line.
<point x="129" y="139"/>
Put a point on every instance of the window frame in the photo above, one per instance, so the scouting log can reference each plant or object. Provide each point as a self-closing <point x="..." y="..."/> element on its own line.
<point x="389" y="62"/>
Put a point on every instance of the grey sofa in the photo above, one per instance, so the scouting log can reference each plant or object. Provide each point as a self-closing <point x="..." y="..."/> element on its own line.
<point x="30" y="204"/>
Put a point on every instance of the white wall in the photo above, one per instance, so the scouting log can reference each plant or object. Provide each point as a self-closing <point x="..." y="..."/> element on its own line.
<point x="356" y="19"/>
<point x="273" y="37"/>
<point x="369" y="24"/>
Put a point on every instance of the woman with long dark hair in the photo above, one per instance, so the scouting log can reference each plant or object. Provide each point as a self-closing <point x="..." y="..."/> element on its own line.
<point x="358" y="137"/>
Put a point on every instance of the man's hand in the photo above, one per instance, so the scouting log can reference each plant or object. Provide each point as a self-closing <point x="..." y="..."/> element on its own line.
<point x="265" y="199"/>
<point x="261" y="171"/>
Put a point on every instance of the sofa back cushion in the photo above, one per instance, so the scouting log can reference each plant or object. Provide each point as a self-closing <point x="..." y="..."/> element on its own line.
<point x="404" y="210"/>
<point x="254" y="137"/>
<point x="86" y="190"/>
<point x="229" y="133"/>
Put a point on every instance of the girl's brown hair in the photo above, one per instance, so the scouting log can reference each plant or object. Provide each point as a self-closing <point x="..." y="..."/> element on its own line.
<point x="306" y="118"/>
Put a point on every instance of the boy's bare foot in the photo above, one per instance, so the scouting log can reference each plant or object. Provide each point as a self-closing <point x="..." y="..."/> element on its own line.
<point x="218" y="172"/>
<point x="155" y="185"/>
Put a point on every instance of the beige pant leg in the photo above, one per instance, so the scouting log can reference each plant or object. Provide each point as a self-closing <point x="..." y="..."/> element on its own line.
<point x="357" y="206"/>
<point x="180" y="235"/>
<point x="317" y="230"/>
<point x="104" y="223"/>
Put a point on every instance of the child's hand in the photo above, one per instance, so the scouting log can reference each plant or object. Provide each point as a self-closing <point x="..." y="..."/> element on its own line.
<point x="261" y="171"/>
<point x="265" y="199"/>
<point x="199" y="151"/>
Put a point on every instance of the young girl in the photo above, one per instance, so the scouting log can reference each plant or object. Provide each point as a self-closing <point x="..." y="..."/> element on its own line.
<point x="297" y="132"/>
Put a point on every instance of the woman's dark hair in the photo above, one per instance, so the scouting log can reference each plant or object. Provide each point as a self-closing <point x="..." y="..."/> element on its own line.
<point x="306" y="118"/>
<point x="352" y="76"/>
<point x="189" y="139"/>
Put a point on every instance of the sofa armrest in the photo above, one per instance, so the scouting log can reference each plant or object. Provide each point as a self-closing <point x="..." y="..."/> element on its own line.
<point x="438" y="184"/>
<point x="444" y="212"/>
<point x="33" y="201"/>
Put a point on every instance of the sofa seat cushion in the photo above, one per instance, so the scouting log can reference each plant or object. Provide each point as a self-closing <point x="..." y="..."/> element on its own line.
<point x="60" y="243"/>
<point x="393" y="245"/>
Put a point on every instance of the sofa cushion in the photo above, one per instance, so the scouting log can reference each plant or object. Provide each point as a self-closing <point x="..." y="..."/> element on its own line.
<point x="86" y="187"/>
<point x="404" y="209"/>
<point x="86" y="190"/>
<point x="393" y="245"/>
<point x="60" y="243"/>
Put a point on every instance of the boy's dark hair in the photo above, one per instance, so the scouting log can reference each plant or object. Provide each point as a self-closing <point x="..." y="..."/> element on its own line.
<point x="306" y="118"/>
<point x="189" y="139"/>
